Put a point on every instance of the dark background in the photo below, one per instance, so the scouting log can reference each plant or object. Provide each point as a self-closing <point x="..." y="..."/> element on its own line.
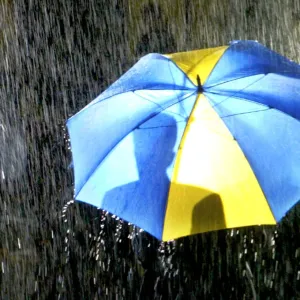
<point x="55" y="57"/>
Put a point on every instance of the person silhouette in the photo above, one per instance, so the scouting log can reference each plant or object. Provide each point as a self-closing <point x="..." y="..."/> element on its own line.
<point x="143" y="202"/>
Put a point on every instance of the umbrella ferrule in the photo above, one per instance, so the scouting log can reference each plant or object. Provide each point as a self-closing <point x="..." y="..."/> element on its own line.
<point x="200" y="87"/>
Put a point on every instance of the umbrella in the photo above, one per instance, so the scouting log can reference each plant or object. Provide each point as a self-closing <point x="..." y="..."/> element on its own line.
<point x="193" y="141"/>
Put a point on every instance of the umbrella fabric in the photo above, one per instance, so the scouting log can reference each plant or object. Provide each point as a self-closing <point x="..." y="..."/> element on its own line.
<point x="193" y="141"/>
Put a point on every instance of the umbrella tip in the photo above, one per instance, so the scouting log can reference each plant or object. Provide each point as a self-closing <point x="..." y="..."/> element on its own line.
<point x="200" y="88"/>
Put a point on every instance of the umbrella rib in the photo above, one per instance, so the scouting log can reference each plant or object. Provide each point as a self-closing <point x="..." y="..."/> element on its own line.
<point x="190" y="69"/>
<point x="122" y="138"/>
<point x="162" y="108"/>
<point x="174" y="78"/>
<point x="244" y="113"/>
<point x="244" y="88"/>
<point x="153" y="127"/>
<point x="242" y="77"/>
<point x="186" y="77"/>
<point x="197" y="63"/>
<point x="231" y="80"/>
<point x="95" y="101"/>
<point x="251" y="101"/>
<point x="174" y="87"/>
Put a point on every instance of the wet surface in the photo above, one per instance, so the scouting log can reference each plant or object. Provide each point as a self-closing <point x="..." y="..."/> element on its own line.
<point x="56" y="56"/>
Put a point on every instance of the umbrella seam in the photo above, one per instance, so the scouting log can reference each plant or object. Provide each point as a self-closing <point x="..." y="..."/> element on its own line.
<point x="158" y="105"/>
<point x="271" y="210"/>
<point x="249" y="75"/>
<point x="191" y="68"/>
<point x="212" y="70"/>
<point x="177" y="157"/>
<point x="129" y="91"/>
<point x="122" y="138"/>
<point x="176" y="87"/>
<point x="228" y="97"/>
<point x="240" y="41"/>
<point x="258" y="103"/>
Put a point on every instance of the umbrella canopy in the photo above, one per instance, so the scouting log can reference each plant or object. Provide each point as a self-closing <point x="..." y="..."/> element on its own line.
<point x="194" y="141"/>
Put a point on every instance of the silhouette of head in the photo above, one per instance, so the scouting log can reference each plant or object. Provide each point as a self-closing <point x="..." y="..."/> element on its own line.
<point x="154" y="143"/>
<point x="208" y="214"/>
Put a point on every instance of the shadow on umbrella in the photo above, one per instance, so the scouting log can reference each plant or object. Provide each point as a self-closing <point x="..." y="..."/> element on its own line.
<point x="143" y="202"/>
<point x="208" y="213"/>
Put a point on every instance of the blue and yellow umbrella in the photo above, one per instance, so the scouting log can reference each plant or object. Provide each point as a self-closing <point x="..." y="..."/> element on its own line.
<point x="194" y="141"/>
